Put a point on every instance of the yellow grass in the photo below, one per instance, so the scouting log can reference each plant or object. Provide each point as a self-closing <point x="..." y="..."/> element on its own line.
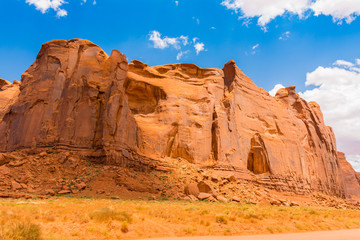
<point x="74" y="218"/>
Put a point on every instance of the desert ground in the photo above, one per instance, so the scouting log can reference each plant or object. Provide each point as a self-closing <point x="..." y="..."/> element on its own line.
<point x="321" y="235"/>
<point x="60" y="218"/>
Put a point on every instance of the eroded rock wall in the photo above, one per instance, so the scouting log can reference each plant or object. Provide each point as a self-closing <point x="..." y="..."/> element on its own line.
<point x="76" y="97"/>
<point x="351" y="179"/>
<point x="72" y="96"/>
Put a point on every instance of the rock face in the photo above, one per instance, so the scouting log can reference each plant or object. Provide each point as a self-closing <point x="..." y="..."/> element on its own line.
<point x="76" y="97"/>
<point x="8" y="95"/>
<point x="351" y="179"/>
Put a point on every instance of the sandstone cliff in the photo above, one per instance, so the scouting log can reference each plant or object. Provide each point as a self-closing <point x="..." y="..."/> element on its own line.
<point x="350" y="177"/>
<point x="76" y="97"/>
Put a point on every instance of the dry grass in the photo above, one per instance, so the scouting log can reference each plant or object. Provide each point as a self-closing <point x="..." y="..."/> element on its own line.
<point x="73" y="218"/>
<point x="21" y="231"/>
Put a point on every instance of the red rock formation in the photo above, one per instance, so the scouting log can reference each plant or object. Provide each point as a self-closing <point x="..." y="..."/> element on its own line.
<point x="8" y="95"/>
<point x="76" y="97"/>
<point x="351" y="180"/>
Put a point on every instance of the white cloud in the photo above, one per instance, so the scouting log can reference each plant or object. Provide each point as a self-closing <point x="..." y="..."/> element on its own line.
<point x="181" y="54"/>
<point x="177" y="3"/>
<point x="213" y="28"/>
<point x="357" y="61"/>
<point x="184" y="39"/>
<point x="199" y="47"/>
<point x="337" y="91"/>
<point x="354" y="160"/>
<point x="275" y="89"/>
<point x="252" y="50"/>
<point x="285" y="36"/>
<point x="44" y="5"/>
<point x="343" y="63"/>
<point x="339" y="10"/>
<point x="61" y="13"/>
<point x="179" y="43"/>
<point x="163" y="43"/>
<point x="265" y="10"/>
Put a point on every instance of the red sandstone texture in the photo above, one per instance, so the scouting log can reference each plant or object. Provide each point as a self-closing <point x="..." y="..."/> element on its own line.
<point x="75" y="97"/>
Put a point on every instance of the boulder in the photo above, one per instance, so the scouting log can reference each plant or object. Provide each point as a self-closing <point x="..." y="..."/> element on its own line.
<point x="192" y="189"/>
<point x="203" y="196"/>
<point x="50" y="192"/>
<point x="64" y="192"/>
<point x="236" y="199"/>
<point x="15" y="185"/>
<point x="222" y="199"/>
<point x="4" y="159"/>
<point x="192" y="198"/>
<point x="4" y="171"/>
<point x="206" y="188"/>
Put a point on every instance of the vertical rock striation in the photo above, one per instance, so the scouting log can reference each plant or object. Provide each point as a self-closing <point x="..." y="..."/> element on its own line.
<point x="74" y="96"/>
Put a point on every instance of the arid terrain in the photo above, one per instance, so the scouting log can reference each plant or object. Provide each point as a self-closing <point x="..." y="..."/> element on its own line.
<point x="84" y="218"/>
<point x="94" y="147"/>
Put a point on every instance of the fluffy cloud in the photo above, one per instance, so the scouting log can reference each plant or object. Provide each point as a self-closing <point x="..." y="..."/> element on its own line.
<point x="199" y="47"/>
<point x="337" y="91"/>
<point x="343" y="63"/>
<point x="166" y="42"/>
<point x="275" y="89"/>
<point x="339" y="10"/>
<point x="266" y="10"/>
<point x="179" y="43"/>
<point x="44" y="5"/>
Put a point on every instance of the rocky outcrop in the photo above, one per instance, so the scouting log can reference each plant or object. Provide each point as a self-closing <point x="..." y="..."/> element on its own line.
<point x="8" y="95"/>
<point x="76" y="97"/>
<point x="351" y="180"/>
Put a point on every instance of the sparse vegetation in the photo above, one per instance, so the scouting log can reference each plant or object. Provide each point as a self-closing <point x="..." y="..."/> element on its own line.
<point x="21" y="231"/>
<point x="106" y="214"/>
<point x="84" y="218"/>
<point x="222" y="219"/>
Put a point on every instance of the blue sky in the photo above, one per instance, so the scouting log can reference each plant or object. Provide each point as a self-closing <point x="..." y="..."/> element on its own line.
<point x="289" y="42"/>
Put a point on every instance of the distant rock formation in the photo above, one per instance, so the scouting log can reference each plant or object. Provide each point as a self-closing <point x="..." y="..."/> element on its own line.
<point x="74" y="96"/>
<point x="351" y="178"/>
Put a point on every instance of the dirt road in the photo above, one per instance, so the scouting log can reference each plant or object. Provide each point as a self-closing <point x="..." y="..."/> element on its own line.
<point x="326" y="235"/>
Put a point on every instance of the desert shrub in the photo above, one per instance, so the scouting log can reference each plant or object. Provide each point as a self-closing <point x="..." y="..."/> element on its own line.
<point x="251" y="215"/>
<point x="221" y="219"/>
<point x="270" y="229"/>
<point x="24" y="231"/>
<point x="107" y="214"/>
<point x="124" y="227"/>
<point x="204" y="212"/>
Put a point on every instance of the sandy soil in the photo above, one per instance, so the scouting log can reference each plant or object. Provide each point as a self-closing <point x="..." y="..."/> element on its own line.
<point x="324" y="235"/>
